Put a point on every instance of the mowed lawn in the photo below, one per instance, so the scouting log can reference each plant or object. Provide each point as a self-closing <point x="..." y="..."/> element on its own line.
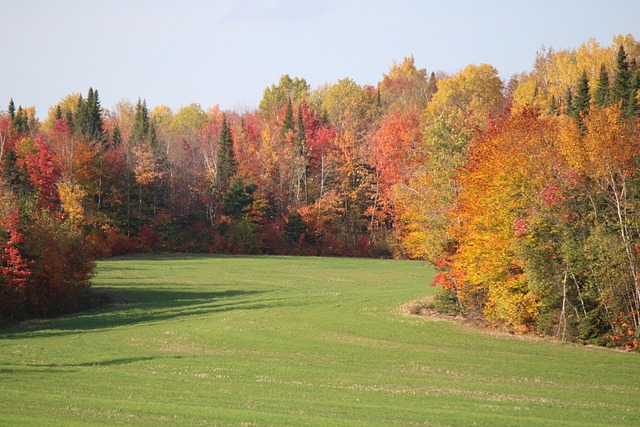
<point x="244" y="341"/>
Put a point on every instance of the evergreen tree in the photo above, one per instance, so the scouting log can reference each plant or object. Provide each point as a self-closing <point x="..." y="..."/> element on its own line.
<point x="602" y="95"/>
<point x="116" y="138"/>
<point x="80" y="115"/>
<point x="287" y="124"/>
<point x="12" y="109"/>
<point x="583" y="97"/>
<point x="621" y="80"/>
<point x="295" y="227"/>
<point x="141" y="125"/>
<point x="226" y="159"/>
<point x="553" y="106"/>
<point x="632" y="102"/>
<point x="301" y="139"/>
<point x="432" y="86"/>
<point x="569" y="109"/>
<point x="21" y="121"/>
<point x="58" y="113"/>
<point x="152" y="137"/>
<point x="93" y="127"/>
<point x="69" y="118"/>
<point x="238" y="198"/>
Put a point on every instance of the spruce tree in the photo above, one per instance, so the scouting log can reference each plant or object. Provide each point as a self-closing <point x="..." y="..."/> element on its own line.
<point x="226" y="159"/>
<point x="12" y="109"/>
<point x="58" y="113"/>
<point x="141" y="125"/>
<point x="68" y="117"/>
<point x="569" y="109"/>
<point x="80" y="116"/>
<point x="116" y="138"/>
<point x="152" y="137"/>
<point x="632" y="102"/>
<point x="601" y="96"/>
<point x="621" y="80"/>
<point x="301" y="139"/>
<point x="93" y="128"/>
<point x="21" y="121"/>
<point x="432" y="86"/>
<point x="287" y="124"/>
<point x="583" y="97"/>
<point x="553" y="106"/>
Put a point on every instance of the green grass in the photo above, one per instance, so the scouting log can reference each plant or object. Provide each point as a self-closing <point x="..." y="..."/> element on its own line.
<point x="202" y="340"/>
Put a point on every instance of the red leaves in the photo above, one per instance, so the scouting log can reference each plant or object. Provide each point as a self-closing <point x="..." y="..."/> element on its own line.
<point x="15" y="267"/>
<point x="44" y="168"/>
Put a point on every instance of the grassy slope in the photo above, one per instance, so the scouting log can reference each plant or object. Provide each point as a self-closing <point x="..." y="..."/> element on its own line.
<point x="294" y="341"/>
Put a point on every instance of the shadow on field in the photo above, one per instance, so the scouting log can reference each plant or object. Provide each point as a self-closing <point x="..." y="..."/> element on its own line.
<point x="123" y="307"/>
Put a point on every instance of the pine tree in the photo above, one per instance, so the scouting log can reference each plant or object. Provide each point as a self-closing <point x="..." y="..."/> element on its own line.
<point x="20" y="121"/>
<point x="141" y="125"/>
<point x="69" y="118"/>
<point x="116" y="138"/>
<point x="226" y="159"/>
<point x="621" y="80"/>
<point x="287" y="124"/>
<point x="93" y="127"/>
<point x="80" y="115"/>
<point x="58" y="113"/>
<point x="432" y="86"/>
<point x="632" y="102"/>
<point x="583" y="97"/>
<point x="301" y="139"/>
<point x="12" y="109"/>
<point x="553" y="106"/>
<point x="569" y="109"/>
<point x="601" y="96"/>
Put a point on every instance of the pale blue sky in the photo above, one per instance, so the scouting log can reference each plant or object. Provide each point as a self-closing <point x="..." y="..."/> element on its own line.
<point x="227" y="52"/>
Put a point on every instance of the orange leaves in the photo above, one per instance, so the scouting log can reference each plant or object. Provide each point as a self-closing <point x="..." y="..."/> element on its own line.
<point x="509" y="170"/>
<point x="394" y="145"/>
<point x="611" y="144"/>
<point x="145" y="168"/>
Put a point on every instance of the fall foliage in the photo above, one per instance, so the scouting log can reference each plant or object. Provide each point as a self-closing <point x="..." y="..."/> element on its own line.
<point x="524" y="193"/>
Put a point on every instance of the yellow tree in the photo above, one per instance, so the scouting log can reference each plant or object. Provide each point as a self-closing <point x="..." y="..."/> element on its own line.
<point x="468" y="97"/>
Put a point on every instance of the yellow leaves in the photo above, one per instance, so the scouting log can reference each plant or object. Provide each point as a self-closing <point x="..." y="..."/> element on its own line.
<point x="512" y="304"/>
<point x="611" y="144"/>
<point x="71" y="197"/>
<point x="468" y="97"/>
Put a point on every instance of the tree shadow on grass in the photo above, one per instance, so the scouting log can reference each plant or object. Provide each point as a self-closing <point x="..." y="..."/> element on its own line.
<point x="72" y="367"/>
<point x="121" y="307"/>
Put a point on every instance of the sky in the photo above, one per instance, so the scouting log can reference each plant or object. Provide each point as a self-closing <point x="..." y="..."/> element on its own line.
<point x="226" y="53"/>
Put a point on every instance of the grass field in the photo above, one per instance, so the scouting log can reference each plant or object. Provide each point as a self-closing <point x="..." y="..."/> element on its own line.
<point x="203" y="340"/>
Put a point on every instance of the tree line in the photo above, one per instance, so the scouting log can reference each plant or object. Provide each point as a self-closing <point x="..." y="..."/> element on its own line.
<point x="523" y="193"/>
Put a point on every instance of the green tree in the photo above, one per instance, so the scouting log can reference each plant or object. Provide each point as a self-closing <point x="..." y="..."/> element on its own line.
<point x="621" y="80"/>
<point x="141" y="125"/>
<point x="583" y="97"/>
<point x="93" y="128"/>
<point x="12" y="109"/>
<point x="238" y="199"/>
<point x="294" y="227"/>
<point x="602" y="95"/>
<point x="116" y="138"/>
<point x="287" y="124"/>
<point x="227" y="165"/>
<point x="569" y="108"/>
<point x="80" y="115"/>
<point x="287" y="90"/>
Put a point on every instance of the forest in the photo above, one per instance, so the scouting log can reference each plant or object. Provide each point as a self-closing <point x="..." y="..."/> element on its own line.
<point x="525" y="194"/>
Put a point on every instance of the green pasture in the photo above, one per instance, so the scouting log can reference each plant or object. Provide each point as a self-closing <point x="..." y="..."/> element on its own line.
<point x="199" y="340"/>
